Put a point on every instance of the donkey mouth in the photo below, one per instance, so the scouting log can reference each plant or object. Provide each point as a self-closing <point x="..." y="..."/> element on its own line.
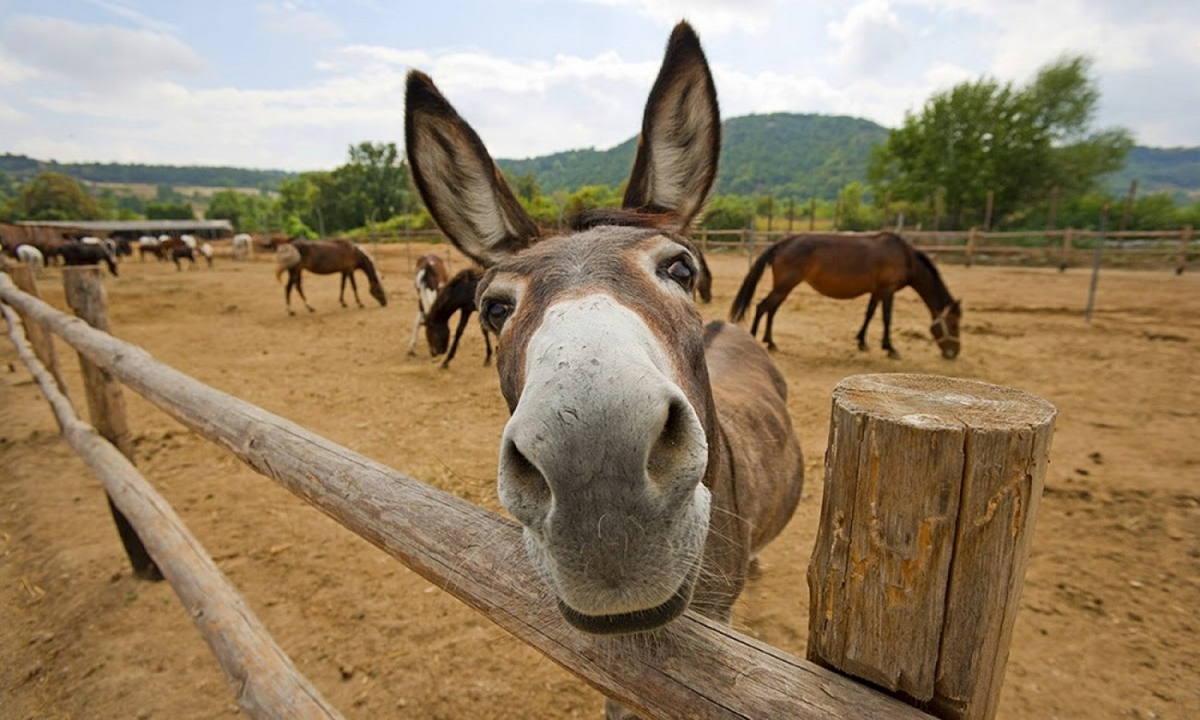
<point x="635" y="621"/>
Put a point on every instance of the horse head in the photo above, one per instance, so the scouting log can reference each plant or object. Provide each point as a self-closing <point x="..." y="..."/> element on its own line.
<point x="606" y="457"/>
<point x="945" y="329"/>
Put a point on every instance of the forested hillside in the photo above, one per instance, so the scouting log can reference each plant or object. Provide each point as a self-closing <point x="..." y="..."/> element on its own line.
<point x="22" y="168"/>
<point x="1172" y="170"/>
<point x="783" y="154"/>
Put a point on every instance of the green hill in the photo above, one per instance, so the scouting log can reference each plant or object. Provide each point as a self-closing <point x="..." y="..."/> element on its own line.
<point x="22" y="168"/>
<point x="783" y="154"/>
<point x="1170" y="170"/>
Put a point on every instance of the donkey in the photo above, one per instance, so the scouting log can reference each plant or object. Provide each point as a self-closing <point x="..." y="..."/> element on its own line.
<point x="429" y="279"/>
<point x="648" y="457"/>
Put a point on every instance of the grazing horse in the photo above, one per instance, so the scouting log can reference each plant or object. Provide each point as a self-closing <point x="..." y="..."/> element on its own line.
<point x="32" y="257"/>
<point x="207" y="251"/>
<point x="149" y="244"/>
<point x="78" y="253"/>
<point x="845" y="267"/>
<point x="430" y="278"/>
<point x="458" y="296"/>
<point x="648" y="457"/>
<point x="240" y="247"/>
<point x="325" y="257"/>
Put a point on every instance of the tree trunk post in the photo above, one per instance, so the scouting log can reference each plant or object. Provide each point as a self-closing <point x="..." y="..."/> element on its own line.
<point x="41" y="340"/>
<point x="931" y="492"/>
<point x="971" y="239"/>
<point x="704" y="240"/>
<point x="812" y="214"/>
<point x="1185" y="244"/>
<point x="1053" y="212"/>
<point x="1065" y="259"/>
<point x="987" y="215"/>
<point x="106" y="403"/>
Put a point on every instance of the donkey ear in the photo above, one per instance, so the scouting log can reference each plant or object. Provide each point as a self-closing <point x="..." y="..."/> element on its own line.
<point x="677" y="152"/>
<point x="458" y="180"/>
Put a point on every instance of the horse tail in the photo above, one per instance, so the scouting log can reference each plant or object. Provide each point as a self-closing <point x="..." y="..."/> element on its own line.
<point x="746" y="292"/>
<point x="286" y="258"/>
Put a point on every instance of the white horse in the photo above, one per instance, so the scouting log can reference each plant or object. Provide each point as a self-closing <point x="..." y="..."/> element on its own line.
<point x="190" y="241"/>
<point x="207" y="251"/>
<point x="241" y="246"/>
<point x="32" y="257"/>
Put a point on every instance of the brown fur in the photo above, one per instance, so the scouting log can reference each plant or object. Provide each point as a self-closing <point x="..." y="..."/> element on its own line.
<point x="326" y="257"/>
<point x="848" y="266"/>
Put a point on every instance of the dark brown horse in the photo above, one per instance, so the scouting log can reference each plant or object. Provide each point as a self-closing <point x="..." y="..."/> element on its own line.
<point x="845" y="267"/>
<point x="428" y="280"/>
<point x="325" y="257"/>
<point x="78" y="253"/>
<point x="458" y="296"/>
<point x="648" y="457"/>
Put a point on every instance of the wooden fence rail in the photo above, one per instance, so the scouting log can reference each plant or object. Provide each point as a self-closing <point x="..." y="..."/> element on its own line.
<point x="477" y="557"/>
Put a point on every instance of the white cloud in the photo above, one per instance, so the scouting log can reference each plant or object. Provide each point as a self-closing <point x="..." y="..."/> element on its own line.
<point x="97" y="57"/>
<point x="869" y="39"/>
<point x="287" y="18"/>
<point x="128" y="13"/>
<point x="711" y="17"/>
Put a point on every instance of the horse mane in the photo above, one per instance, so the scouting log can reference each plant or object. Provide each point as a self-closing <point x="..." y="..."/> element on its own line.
<point x="939" y="285"/>
<point x="460" y="287"/>
<point x="365" y="263"/>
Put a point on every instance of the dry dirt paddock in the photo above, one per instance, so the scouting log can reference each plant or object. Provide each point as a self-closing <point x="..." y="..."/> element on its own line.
<point x="1108" y="625"/>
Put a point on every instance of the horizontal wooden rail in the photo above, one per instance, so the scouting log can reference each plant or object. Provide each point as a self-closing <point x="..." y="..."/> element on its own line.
<point x="264" y="680"/>
<point x="694" y="668"/>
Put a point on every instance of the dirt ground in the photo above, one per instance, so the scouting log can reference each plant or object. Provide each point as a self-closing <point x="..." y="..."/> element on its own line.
<point x="1108" y="625"/>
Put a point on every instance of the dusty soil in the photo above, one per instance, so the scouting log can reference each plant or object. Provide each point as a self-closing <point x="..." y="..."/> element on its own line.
<point x="1107" y="626"/>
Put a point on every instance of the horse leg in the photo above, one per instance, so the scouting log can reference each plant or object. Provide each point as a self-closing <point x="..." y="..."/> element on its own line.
<point x="287" y="295"/>
<point x="420" y="320"/>
<point x="463" y="315"/>
<point x="862" y="334"/>
<point x="300" y="289"/>
<point x="354" y="287"/>
<point x="769" y="305"/>
<point x="342" y="292"/>
<point x="887" y="327"/>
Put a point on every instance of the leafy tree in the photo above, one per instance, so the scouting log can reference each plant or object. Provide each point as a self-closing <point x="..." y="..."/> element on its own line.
<point x="1017" y="142"/>
<point x="726" y="212"/>
<point x="247" y="213"/>
<point x="53" y="196"/>
<point x="169" y="211"/>
<point x="853" y="213"/>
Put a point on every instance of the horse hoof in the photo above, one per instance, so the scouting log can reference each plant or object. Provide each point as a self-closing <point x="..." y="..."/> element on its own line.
<point x="772" y="347"/>
<point x="893" y="355"/>
<point x="411" y="353"/>
<point x="862" y="346"/>
<point x="291" y="312"/>
<point x="311" y="310"/>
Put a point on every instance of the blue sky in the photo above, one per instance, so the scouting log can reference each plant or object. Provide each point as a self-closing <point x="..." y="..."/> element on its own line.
<point x="292" y="84"/>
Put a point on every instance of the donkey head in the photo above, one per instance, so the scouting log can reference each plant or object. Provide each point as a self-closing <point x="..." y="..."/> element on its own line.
<point x="600" y="353"/>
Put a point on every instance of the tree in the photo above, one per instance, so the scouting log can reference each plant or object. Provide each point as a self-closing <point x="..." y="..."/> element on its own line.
<point x="169" y="211"/>
<point x="1018" y="143"/>
<point x="247" y="213"/>
<point x="53" y="196"/>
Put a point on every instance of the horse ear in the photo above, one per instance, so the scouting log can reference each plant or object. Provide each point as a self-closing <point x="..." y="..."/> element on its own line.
<point x="676" y="160"/>
<point x="458" y="180"/>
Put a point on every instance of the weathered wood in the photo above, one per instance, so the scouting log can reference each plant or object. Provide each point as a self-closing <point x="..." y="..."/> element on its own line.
<point x="1185" y="244"/>
<point x="693" y="669"/>
<point x="42" y="341"/>
<point x="84" y="288"/>
<point x="1066" y="249"/>
<point x="971" y="239"/>
<point x="263" y="678"/>
<point x="931" y="492"/>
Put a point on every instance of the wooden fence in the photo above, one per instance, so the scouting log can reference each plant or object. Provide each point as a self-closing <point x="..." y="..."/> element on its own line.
<point x="915" y="578"/>
<point x="1053" y="247"/>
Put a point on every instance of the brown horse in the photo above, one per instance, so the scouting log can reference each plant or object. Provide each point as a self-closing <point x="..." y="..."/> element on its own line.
<point x="647" y="456"/>
<point x="429" y="279"/>
<point x="845" y="267"/>
<point x="325" y="257"/>
<point x="458" y="296"/>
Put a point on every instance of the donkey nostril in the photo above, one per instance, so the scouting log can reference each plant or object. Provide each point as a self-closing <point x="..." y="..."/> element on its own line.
<point x="672" y="452"/>
<point x="523" y="476"/>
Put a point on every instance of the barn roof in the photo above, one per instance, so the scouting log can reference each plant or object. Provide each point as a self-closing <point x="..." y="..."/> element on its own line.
<point x="148" y="226"/>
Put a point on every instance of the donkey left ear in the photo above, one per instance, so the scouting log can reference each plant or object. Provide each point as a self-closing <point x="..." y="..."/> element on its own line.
<point x="676" y="161"/>
<point x="458" y="180"/>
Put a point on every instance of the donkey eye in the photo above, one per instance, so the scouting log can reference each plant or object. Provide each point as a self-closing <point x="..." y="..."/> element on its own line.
<point x="496" y="312"/>
<point x="680" y="270"/>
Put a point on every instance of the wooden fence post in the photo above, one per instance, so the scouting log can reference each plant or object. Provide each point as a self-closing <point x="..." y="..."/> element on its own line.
<point x="1065" y="259"/>
<point x="41" y="340"/>
<point x="971" y="238"/>
<point x="106" y="403"/>
<point x="931" y="492"/>
<point x="1185" y="244"/>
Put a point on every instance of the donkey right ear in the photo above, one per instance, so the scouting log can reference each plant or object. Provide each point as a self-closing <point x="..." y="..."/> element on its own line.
<point x="458" y="180"/>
